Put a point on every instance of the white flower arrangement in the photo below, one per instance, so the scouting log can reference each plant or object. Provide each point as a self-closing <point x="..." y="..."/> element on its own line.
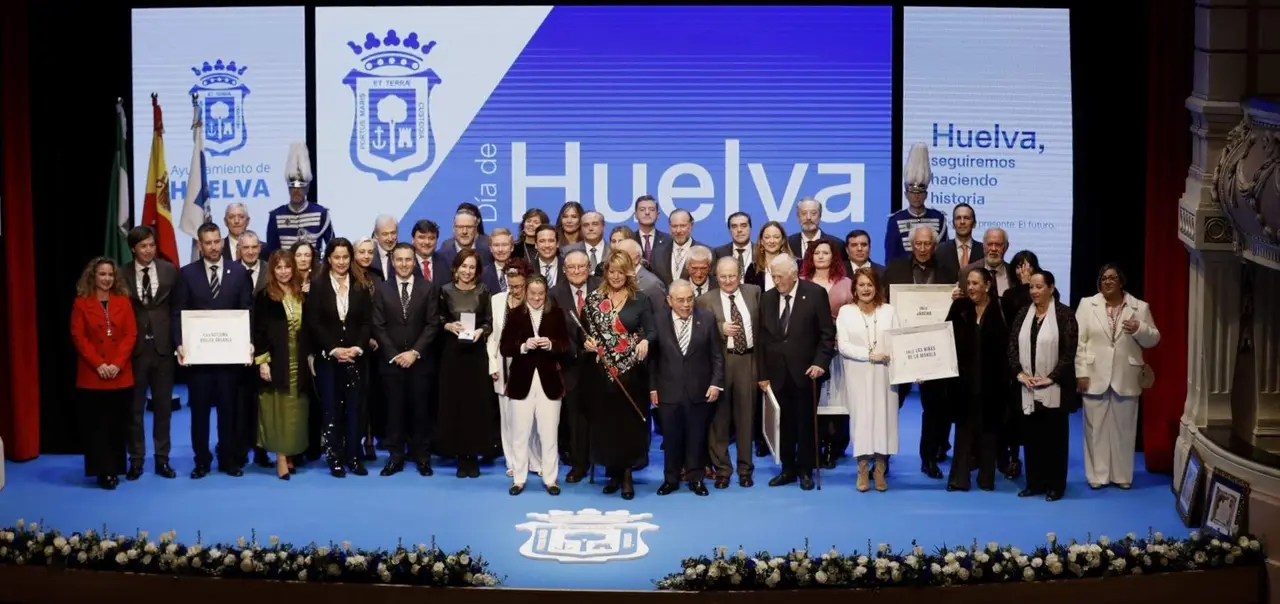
<point x="426" y="565"/>
<point x="883" y="566"/>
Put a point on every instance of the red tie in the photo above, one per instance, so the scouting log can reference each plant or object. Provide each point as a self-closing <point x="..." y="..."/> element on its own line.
<point x="426" y="270"/>
<point x="580" y="301"/>
<point x="647" y="249"/>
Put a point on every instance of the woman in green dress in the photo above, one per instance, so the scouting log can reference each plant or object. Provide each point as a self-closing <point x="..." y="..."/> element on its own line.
<point x="284" y="379"/>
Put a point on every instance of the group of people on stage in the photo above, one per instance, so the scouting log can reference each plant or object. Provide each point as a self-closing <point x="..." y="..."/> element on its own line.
<point x="556" y="345"/>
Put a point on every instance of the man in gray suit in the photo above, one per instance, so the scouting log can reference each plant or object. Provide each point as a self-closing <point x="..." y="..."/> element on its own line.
<point x="150" y="281"/>
<point x="736" y="307"/>
<point x="249" y="251"/>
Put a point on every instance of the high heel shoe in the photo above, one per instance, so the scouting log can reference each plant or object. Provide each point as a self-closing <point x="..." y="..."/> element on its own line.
<point x="628" y="489"/>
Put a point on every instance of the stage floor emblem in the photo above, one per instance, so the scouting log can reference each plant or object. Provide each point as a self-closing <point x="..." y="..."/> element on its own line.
<point x="586" y="536"/>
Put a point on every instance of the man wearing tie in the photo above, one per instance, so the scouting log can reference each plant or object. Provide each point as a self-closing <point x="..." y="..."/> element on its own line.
<point x="686" y="377"/>
<point x="212" y="284"/>
<point x="809" y="213"/>
<point x="793" y="352"/>
<point x="739" y="246"/>
<point x="857" y="246"/>
<point x="430" y="265"/>
<point x="959" y="253"/>
<point x="570" y="295"/>
<point x="670" y="260"/>
<point x="546" y="239"/>
<point x="736" y="307"/>
<point x="592" y="243"/>
<point x="386" y="231"/>
<point x="249" y="253"/>
<point x="500" y="246"/>
<point x="699" y="270"/>
<point x="647" y="234"/>
<point x="236" y="218"/>
<point x="405" y="323"/>
<point x="151" y="280"/>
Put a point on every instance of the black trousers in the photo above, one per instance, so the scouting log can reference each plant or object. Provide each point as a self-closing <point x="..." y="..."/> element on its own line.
<point x="833" y="431"/>
<point x="757" y="423"/>
<point x="247" y="413"/>
<point x="409" y="426"/>
<point x="153" y="371"/>
<point x="341" y="394"/>
<point x="799" y="445"/>
<point x="214" y="387"/>
<point x="1046" y="438"/>
<point x="104" y="423"/>
<point x="1009" y="443"/>
<point x="575" y="413"/>
<point x="973" y="441"/>
<point x="685" y="427"/>
<point x="935" y="420"/>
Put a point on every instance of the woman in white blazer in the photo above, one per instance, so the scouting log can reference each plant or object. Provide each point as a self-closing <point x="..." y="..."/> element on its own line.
<point x="516" y="270"/>
<point x="1115" y="327"/>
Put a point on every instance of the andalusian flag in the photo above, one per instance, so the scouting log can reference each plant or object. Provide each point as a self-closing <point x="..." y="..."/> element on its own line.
<point x="155" y="208"/>
<point x="117" y="240"/>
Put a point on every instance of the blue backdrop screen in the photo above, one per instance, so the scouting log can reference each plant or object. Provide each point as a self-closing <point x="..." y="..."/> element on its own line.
<point x="710" y="109"/>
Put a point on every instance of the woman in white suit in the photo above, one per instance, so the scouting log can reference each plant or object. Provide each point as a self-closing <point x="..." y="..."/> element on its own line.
<point x="1115" y="327"/>
<point x="516" y="271"/>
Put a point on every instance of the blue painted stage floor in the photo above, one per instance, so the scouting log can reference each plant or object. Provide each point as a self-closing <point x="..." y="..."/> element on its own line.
<point x="375" y="512"/>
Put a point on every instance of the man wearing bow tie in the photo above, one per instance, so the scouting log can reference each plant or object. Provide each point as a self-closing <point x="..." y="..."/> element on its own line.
<point x="212" y="284"/>
<point x="686" y="377"/>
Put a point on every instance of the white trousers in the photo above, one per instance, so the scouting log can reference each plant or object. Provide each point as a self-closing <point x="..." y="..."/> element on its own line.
<point x="1110" y="431"/>
<point x="535" y="422"/>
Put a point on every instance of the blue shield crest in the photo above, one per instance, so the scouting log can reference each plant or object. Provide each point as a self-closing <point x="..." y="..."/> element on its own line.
<point x="222" y="98"/>
<point x="391" y="136"/>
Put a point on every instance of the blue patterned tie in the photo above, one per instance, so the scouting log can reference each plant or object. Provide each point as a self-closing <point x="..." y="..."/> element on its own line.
<point x="215" y="283"/>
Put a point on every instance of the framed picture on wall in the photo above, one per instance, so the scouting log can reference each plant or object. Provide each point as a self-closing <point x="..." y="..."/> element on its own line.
<point x="1227" y="505"/>
<point x="1190" y="491"/>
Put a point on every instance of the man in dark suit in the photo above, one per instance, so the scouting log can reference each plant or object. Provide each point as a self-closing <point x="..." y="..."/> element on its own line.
<point x="249" y="253"/>
<point x="739" y="246"/>
<point x="809" y="213"/>
<point x="548" y="264"/>
<point x="736" y="307"/>
<point x="647" y="233"/>
<point x="431" y="264"/>
<point x="923" y="268"/>
<point x="465" y="236"/>
<point x="964" y="250"/>
<point x="405" y="323"/>
<point x="686" y="377"/>
<point x="593" y="243"/>
<point x="386" y="231"/>
<point x="670" y="259"/>
<point x="150" y="281"/>
<point x="211" y="284"/>
<point x="794" y="344"/>
<point x="571" y="295"/>
<point x="857" y="247"/>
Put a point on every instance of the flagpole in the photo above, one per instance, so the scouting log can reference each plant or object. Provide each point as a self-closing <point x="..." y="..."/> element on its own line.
<point x="196" y="123"/>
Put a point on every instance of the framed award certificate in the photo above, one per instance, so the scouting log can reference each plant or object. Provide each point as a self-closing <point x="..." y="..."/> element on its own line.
<point x="922" y="353"/>
<point x="921" y="304"/>
<point x="216" y="337"/>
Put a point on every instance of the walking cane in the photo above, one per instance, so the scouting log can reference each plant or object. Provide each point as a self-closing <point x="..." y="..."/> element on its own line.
<point x="817" y="458"/>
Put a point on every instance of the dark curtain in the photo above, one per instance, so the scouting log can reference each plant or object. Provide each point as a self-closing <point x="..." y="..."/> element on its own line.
<point x="1168" y="142"/>
<point x="20" y="408"/>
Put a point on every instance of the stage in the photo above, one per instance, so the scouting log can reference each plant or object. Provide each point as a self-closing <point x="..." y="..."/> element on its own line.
<point x="373" y="511"/>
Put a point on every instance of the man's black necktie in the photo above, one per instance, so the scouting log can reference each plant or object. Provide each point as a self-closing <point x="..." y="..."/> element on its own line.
<point x="215" y="284"/>
<point x="742" y="263"/>
<point x="735" y="317"/>
<point x="251" y="279"/>
<point x="404" y="299"/>
<point x="786" y="314"/>
<point x="389" y="268"/>
<point x="146" y="285"/>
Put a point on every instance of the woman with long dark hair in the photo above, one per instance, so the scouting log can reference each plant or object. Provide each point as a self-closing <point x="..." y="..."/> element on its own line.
<point x="339" y="315"/>
<point x="569" y="223"/>
<point x="103" y="330"/>
<point x="465" y="420"/>
<point x="280" y="343"/>
<point x="978" y="394"/>
<point x="526" y="243"/>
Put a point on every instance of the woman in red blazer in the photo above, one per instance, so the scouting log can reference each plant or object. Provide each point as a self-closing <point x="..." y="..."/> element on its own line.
<point x="103" y="331"/>
<point x="536" y="339"/>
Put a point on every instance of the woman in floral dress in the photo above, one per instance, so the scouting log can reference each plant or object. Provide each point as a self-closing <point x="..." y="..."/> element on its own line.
<point x="620" y="328"/>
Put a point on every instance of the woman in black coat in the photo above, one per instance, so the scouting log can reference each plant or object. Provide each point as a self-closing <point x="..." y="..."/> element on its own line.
<point x="979" y="394"/>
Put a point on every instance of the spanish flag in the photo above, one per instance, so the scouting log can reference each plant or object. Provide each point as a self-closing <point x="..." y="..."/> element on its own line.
<point x="155" y="207"/>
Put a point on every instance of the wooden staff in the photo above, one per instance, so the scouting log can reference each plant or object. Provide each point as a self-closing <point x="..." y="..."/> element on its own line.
<point x="639" y="413"/>
<point x="817" y="458"/>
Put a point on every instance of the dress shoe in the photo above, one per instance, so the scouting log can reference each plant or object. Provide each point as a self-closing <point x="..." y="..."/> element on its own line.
<point x="164" y="471"/>
<point x="746" y="482"/>
<point x="1095" y="485"/>
<point x="628" y="488"/>
<point x="336" y="470"/>
<point x="986" y="487"/>
<point x="1014" y="469"/>
<point x="515" y="489"/>
<point x="806" y="483"/>
<point x="552" y="490"/>
<point x="424" y="468"/>
<point x="611" y="487"/>
<point x="667" y="488"/>
<point x="356" y="467"/>
<point x="134" y="473"/>
<point x="393" y="467"/>
<point x="930" y="469"/>
<point x="722" y="482"/>
<point x="233" y="471"/>
<point x="1029" y="492"/>
<point x="1053" y="495"/>
<point x="575" y="475"/>
<point x="699" y="488"/>
<point x="782" y="479"/>
<point x="473" y="470"/>
<point x="285" y="476"/>
<point x="462" y="470"/>
<point x="370" y="454"/>
<point x="199" y="472"/>
<point x="260" y="458"/>
<point x="1124" y="485"/>
<point x="108" y="482"/>
<point x="762" y="450"/>
<point x="953" y="488"/>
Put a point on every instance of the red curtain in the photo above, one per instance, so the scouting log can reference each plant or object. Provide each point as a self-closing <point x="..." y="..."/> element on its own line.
<point x="20" y="405"/>
<point x="1170" y="31"/>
